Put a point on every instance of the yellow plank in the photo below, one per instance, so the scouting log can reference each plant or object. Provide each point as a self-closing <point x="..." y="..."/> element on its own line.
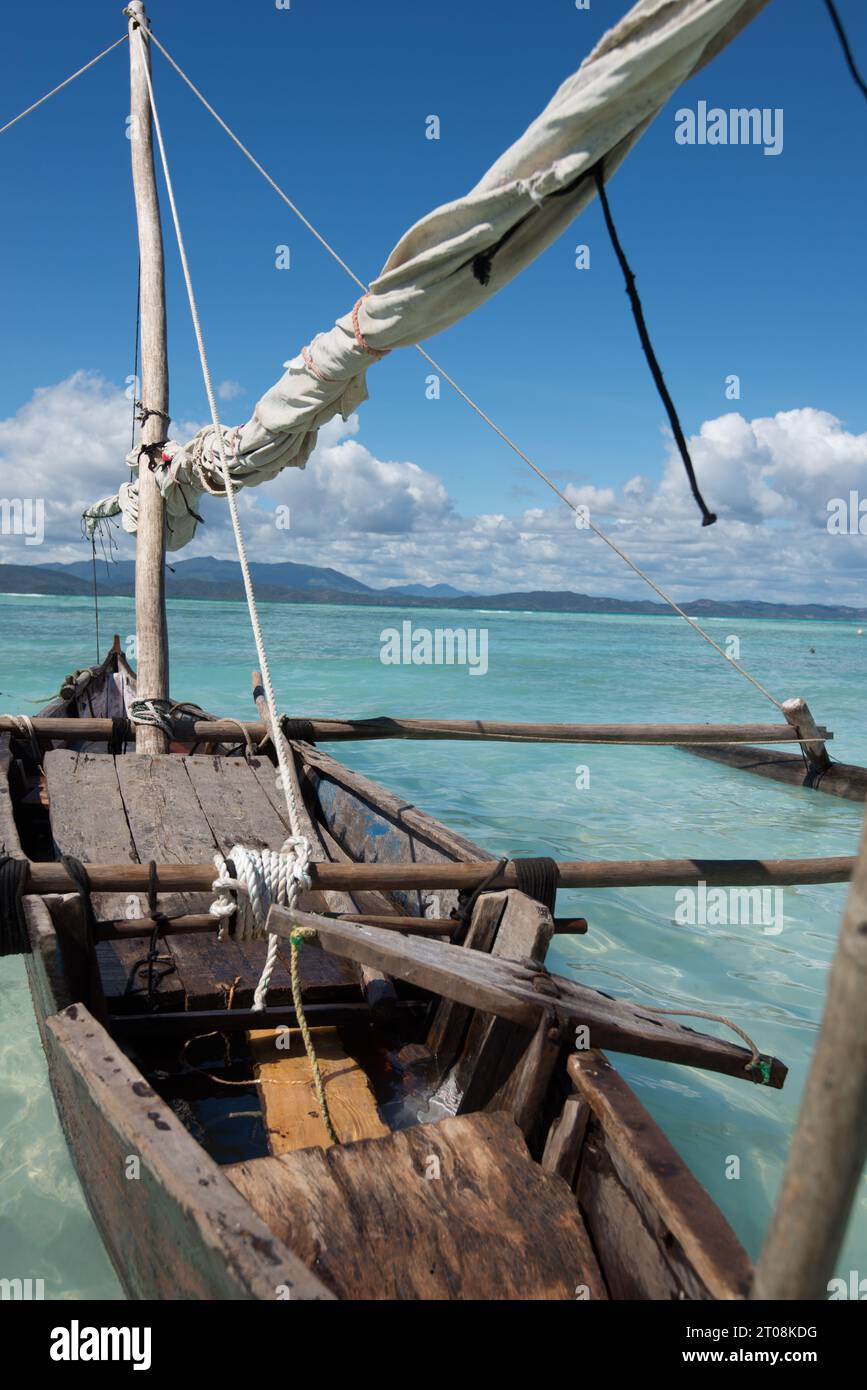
<point x="289" y="1099"/>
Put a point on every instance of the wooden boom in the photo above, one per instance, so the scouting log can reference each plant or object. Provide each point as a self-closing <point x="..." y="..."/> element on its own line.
<point x="575" y="873"/>
<point x="319" y="730"/>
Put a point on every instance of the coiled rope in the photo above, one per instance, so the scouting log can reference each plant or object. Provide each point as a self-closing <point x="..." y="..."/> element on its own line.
<point x="297" y="848"/>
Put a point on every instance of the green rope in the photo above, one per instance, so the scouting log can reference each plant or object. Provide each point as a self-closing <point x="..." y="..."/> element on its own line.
<point x="296" y="940"/>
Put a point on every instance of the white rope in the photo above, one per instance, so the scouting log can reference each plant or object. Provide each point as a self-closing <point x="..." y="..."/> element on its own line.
<point x="299" y="847"/>
<point x="597" y="530"/>
<point x="153" y="713"/>
<point x="264" y="877"/>
<point x="54" y="90"/>
<point x="24" y="725"/>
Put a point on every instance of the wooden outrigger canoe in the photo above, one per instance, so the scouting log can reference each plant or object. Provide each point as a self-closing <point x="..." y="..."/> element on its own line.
<point x="550" y="1181"/>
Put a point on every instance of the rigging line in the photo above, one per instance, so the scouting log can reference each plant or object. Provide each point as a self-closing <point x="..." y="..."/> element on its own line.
<point x="297" y="841"/>
<point x="847" y="50"/>
<point x="66" y="83"/>
<point x="95" y="594"/>
<point x="468" y="399"/>
<point x="135" y="385"/>
<point x="708" y="517"/>
<point x="215" y="417"/>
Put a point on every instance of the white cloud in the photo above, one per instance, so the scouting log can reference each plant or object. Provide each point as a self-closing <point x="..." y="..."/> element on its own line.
<point x="770" y="480"/>
<point x="230" y="390"/>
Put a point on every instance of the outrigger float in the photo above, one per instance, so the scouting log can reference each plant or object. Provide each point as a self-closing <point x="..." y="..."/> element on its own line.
<point x="318" y="1020"/>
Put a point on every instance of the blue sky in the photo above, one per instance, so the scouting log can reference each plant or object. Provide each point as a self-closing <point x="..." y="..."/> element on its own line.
<point x="747" y="264"/>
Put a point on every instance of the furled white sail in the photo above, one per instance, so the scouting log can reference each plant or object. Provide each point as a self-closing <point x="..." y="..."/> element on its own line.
<point x="458" y="256"/>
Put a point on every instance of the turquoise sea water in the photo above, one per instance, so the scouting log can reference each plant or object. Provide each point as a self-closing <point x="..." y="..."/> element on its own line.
<point x="640" y="802"/>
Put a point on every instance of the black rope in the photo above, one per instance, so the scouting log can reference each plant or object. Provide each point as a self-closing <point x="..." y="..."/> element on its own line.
<point x="153" y="958"/>
<point x="135" y="355"/>
<point x="14" y="939"/>
<point x="467" y="900"/>
<point x="95" y="594"/>
<point x="81" y="878"/>
<point x="144" y="412"/>
<point x="847" y="50"/>
<point x="708" y="517"/>
<point x="119" y="736"/>
<point x="538" y="878"/>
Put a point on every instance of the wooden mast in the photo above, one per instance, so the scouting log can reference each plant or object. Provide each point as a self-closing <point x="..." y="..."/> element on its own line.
<point x="152" y="648"/>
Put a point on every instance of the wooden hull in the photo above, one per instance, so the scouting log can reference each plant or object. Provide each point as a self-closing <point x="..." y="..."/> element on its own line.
<point x="177" y="1224"/>
<point x="842" y="779"/>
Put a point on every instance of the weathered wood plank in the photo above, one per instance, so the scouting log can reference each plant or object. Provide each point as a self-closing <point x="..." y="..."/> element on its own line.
<point x="375" y="826"/>
<point x="565" y="1137"/>
<point x="46" y="972"/>
<point x="89" y="821"/>
<point x="517" y="992"/>
<point x="451" y="1021"/>
<point x="455" y="1210"/>
<point x="179" y="1229"/>
<point x="494" y="1050"/>
<point x="637" y="1194"/>
<point x="289" y="1103"/>
<point x="841" y="779"/>
<point x="237" y="810"/>
<point x="166" y="823"/>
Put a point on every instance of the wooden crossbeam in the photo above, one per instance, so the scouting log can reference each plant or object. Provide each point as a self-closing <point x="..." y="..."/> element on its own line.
<point x="194" y="923"/>
<point x="522" y="994"/>
<point x="319" y="730"/>
<point x="575" y="873"/>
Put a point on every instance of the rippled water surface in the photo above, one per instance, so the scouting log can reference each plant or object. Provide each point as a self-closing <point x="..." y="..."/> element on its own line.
<point x="516" y="800"/>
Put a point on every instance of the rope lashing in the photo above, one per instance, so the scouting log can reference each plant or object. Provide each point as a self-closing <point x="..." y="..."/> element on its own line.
<point x="95" y="1000"/>
<point x="261" y="878"/>
<point x="14" y="938"/>
<point x="759" y="1065"/>
<point x="155" y="713"/>
<point x="538" y="878"/>
<point x="118" y="737"/>
<point x="24" y="725"/>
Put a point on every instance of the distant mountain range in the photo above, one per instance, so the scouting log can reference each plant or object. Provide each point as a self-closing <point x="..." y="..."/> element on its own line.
<point x="287" y="582"/>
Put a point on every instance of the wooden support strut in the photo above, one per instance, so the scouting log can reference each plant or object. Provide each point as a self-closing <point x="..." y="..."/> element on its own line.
<point x="319" y="730"/>
<point x="523" y="994"/>
<point x="798" y="714"/>
<point x="152" y="648"/>
<point x="193" y="923"/>
<point x="829" y="1145"/>
<point x="588" y="873"/>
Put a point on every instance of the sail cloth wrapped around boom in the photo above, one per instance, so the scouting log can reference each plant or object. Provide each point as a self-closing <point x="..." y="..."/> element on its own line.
<point x="458" y="256"/>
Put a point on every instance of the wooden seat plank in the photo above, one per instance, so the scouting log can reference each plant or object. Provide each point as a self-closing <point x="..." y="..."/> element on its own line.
<point x="455" y="1210"/>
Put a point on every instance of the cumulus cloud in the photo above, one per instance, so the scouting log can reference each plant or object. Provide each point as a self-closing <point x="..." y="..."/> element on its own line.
<point x="770" y="479"/>
<point x="230" y="390"/>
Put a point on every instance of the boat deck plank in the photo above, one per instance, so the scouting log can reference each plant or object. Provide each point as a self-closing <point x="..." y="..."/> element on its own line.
<point x="176" y="810"/>
<point x="455" y="1210"/>
<point x="89" y="820"/>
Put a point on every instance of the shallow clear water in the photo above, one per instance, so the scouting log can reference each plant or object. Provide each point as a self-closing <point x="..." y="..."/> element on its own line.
<point x="515" y="800"/>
